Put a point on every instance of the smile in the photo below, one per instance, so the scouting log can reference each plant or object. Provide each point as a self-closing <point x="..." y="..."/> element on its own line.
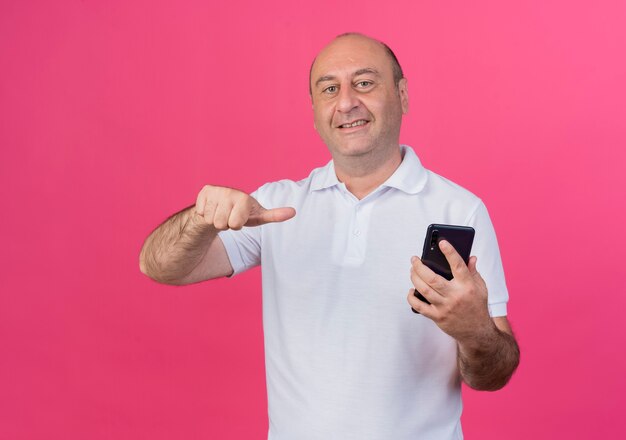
<point x="354" y="124"/>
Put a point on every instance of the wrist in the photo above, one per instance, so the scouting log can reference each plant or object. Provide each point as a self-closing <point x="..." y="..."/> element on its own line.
<point x="480" y="340"/>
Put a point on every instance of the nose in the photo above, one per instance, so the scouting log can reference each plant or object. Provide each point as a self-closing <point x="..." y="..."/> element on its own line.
<point x="347" y="100"/>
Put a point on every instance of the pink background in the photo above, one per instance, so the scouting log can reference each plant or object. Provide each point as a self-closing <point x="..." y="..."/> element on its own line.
<point x="114" y="114"/>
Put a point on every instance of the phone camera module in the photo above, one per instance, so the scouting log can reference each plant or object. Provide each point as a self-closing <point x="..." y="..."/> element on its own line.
<point x="434" y="238"/>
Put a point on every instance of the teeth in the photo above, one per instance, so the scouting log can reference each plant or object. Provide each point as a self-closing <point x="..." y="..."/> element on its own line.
<point x="354" y="124"/>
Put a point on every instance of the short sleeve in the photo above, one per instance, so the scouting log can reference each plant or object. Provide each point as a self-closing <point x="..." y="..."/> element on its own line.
<point x="243" y="247"/>
<point x="489" y="263"/>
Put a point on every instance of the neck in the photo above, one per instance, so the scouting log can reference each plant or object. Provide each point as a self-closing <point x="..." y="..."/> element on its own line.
<point x="365" y="173"/>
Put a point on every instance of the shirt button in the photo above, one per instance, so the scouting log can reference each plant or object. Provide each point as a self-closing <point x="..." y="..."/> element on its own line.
<point x="357" y="232"/>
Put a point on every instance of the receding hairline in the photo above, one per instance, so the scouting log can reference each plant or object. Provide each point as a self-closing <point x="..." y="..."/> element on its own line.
<point x="398" y="74"/>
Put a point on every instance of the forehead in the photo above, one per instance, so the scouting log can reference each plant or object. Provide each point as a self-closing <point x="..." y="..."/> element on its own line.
<point x="348" y="54"/>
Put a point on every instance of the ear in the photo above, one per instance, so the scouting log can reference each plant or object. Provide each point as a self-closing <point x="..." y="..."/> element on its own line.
<point x="403" y="92"/>
<point x="313" y="108"/>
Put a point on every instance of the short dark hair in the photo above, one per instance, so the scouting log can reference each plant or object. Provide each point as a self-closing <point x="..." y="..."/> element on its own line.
<point x="398" y="74"/>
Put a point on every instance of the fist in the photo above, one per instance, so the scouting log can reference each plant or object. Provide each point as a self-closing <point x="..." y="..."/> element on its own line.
<point x="228" y="208"/>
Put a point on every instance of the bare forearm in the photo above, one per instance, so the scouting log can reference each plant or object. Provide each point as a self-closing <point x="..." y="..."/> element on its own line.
<point x="176" y="247"/>
<point x="488" y="361"/>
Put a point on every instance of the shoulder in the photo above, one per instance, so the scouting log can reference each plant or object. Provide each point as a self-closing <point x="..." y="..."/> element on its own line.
<point x="441" y="188"/>
<point x="440" y="185"/>
<point x="289" y="191"/>
<point x="414" y="178"/>
<point x="453" y="202"/>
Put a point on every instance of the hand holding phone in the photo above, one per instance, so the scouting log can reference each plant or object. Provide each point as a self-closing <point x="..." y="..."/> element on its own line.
<point x="460" y="237"/>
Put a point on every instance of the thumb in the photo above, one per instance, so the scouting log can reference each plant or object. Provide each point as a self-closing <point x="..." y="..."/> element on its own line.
<point x="471" y="265"/>
<point x="275" y="215"/>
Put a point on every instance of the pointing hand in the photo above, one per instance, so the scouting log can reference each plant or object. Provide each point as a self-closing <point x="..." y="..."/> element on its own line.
<point x="228" y="208"/>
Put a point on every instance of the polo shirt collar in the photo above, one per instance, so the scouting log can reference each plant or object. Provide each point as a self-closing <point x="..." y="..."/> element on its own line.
<point x="410" y="177"/>
<point x="324" y="177"/>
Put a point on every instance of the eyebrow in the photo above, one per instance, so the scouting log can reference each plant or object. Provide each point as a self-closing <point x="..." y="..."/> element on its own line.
<point x="363" y="71"/>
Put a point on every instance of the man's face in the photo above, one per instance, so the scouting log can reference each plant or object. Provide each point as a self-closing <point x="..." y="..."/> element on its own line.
<point x="357" y="106"/>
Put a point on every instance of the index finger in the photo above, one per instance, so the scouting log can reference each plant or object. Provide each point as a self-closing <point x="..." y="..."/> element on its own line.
<point x="274" y="215"/>
<point x="457" y="265"/>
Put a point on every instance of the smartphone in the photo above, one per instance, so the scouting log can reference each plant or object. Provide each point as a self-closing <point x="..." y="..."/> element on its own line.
<point x="460" y="237"/>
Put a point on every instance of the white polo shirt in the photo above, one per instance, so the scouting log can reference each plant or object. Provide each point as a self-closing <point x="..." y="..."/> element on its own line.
<point x="346" y="358"/>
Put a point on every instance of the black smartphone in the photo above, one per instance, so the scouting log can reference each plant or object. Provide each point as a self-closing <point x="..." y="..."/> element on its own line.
<point x="460" y="237"/>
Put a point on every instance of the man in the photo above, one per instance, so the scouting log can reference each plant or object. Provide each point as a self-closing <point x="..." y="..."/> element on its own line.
<point x="345" y="356"/>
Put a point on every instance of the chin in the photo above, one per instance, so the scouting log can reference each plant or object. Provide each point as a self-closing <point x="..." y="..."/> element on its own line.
<point x="341" y="152"/>
<point x="353" y="149"/>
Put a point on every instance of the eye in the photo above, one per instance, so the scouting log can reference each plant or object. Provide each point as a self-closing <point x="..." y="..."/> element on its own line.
<point x="363" y="84"/>
<point x="330" y="89"/>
